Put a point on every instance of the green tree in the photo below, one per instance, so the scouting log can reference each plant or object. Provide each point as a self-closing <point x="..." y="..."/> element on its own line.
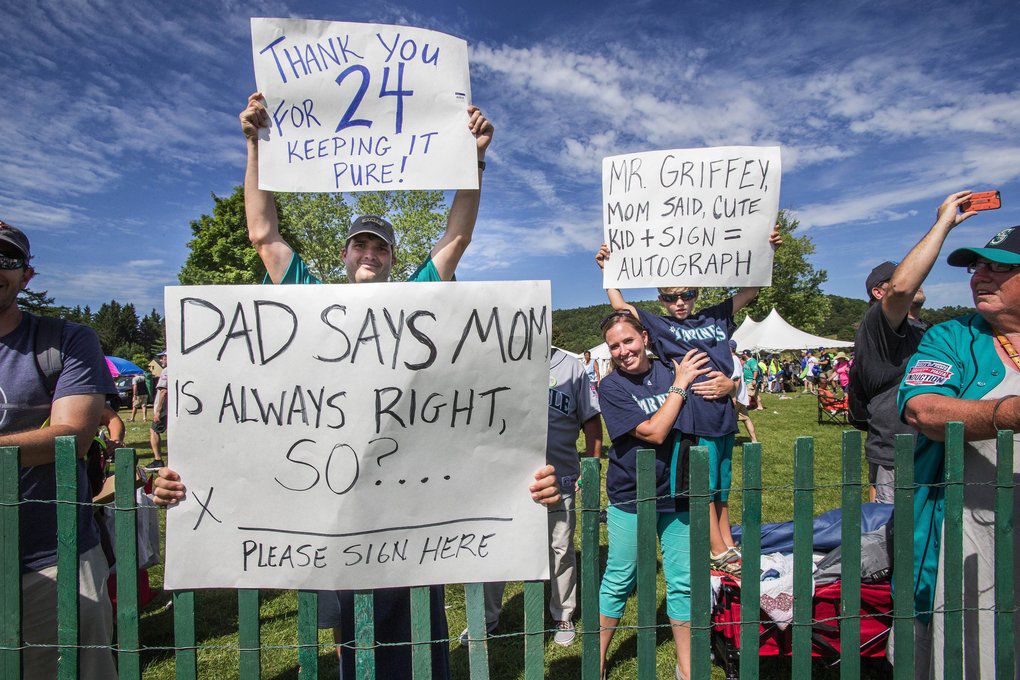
<point x="315" y="225"/>
<point x="116" y="325"/>
<point x="220" y="252"/>
<point x="152" y="334"/>
<point x="38" y="302"/>
<point x="796" y="285"/>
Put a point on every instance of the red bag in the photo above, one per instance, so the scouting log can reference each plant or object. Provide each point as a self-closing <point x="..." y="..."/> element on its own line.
<point x="876" y="622"/>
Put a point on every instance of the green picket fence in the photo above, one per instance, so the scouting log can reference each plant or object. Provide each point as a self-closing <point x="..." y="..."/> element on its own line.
<point x="127" y="646"/>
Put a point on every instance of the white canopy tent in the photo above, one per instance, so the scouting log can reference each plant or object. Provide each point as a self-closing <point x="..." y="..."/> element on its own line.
<point x="774" y="333"/>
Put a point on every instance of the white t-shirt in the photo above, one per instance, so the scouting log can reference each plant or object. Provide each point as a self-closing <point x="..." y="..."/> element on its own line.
<point x="738" y="374"/>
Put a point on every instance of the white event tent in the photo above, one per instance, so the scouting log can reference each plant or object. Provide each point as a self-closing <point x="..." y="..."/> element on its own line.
<point x="774" y="333"/>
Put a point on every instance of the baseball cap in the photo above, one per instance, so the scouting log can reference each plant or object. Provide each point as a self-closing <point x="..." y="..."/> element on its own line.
<point x="16" y="238"/>
<point x="375" y="225"/>
<point x="1004" y="247"/>
<point x="733" y="345"/>
<point x="879" y="275"/>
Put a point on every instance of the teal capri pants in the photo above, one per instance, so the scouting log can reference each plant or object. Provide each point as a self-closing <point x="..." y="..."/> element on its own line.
<point x="620" y="577"/>
<point x="720" y="466"/>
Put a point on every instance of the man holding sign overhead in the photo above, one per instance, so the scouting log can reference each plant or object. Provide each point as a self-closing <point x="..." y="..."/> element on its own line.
<point x="299" y="151"/>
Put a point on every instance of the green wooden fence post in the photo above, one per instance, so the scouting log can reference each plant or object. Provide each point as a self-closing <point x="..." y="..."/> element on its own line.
<point x="185" y="654"/>
<point x="701" y="582"/>
<point x="67" y="557"/>
<point x="126" y="542"/>
<point x="850" y="560"/>
<point x="421" y="633"/>
<point x="10" y="563"/>
<point x="903" y="559"/>
<point x="1004" y="585"/>
<point x="952" y="530"/>
<point x="803" y="544"/>
<point x="364" y="635"/>
<point x="248" y="634"/>
<point x="750" y="550"/>
<point x="646" y="564"/>
<point x="591" y="491"/>
<point x="534" y="623"/>
<point x="308" y="634"/>
<point x="478" y="651"/>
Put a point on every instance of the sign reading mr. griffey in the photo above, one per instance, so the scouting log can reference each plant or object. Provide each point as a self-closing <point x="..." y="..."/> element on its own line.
<point x="339" y="437"/>
<point x="690" y="217"/>
<point x="362" y="107"/>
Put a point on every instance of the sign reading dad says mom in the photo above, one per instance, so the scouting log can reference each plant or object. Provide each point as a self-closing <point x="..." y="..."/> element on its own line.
<point x="357" y="436"/>
<point x="690" y="217"/>
<point x="357" y="107"/>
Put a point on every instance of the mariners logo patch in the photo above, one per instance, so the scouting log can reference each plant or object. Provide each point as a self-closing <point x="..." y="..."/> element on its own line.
<point x="1000" y="237"/>
<point x="926" y="372"/>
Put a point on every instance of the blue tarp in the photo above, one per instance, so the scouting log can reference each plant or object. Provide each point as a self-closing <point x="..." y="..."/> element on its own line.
<point x="828" y="527"/>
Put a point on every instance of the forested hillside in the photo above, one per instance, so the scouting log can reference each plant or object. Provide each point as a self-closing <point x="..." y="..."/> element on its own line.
<point x="578" y="329"/>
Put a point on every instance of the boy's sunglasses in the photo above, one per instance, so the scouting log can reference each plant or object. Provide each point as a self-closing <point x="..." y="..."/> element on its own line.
<point x="686" y="296"/>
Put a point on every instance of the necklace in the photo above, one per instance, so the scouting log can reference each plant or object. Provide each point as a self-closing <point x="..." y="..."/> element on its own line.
<point x="1008" y="347"/>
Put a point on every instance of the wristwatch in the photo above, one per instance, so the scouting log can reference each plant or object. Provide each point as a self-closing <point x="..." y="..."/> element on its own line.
<point x="678" y="390"/>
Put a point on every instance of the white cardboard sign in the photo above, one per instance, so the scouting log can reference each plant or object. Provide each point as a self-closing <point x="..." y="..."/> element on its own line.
<point x="690" y="217"/>
<point x="357" y="436"/>
<point x="362" y="107"/>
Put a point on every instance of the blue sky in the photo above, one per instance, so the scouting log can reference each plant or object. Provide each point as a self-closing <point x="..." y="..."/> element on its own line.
<point x="120" y="118"/>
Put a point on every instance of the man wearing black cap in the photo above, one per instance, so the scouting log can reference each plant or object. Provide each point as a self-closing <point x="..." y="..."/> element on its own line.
<point x="53" y="382"/>
<point x="967" y="369"/>
<point x="887" y="337"/>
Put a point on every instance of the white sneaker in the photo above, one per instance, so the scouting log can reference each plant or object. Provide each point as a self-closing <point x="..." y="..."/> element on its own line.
<point x="565" y="634"/>
<point x="464" y="638"/>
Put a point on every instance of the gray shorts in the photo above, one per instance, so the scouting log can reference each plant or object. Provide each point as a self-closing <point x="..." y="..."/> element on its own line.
<point x="883" y="478"/>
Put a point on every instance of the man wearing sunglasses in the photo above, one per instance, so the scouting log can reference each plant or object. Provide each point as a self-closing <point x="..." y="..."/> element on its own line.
<point x="708" y="413"/>
<point x="967" y="369"/>
<point x="886" y="338"/>
<point x="38" y="404"/>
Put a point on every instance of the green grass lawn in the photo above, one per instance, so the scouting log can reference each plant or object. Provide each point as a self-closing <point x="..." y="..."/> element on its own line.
<point x="782" y="421"/>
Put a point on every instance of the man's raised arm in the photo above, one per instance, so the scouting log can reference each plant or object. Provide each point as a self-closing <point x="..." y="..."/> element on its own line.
<point x="259" y="205"/>
<point x="464" y="212"/>
<point x="914" y="268"/>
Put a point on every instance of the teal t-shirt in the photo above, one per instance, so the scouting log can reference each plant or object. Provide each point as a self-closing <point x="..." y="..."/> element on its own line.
<point x="750" y="368"/>
<point x="297" y="273"/>
<point x="955" y="359"/>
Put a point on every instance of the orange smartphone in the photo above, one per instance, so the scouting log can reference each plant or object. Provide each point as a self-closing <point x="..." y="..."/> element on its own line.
<point x="982" y="200"/>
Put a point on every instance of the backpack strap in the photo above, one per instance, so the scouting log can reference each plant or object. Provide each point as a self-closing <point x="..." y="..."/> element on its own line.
<point x="48" y="359"/>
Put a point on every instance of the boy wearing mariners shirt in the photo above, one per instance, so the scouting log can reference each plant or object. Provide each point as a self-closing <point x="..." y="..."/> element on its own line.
<point x="573" y="407"/>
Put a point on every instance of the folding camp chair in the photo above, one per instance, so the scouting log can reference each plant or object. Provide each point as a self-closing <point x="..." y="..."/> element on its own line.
<point x="832" y="409"/>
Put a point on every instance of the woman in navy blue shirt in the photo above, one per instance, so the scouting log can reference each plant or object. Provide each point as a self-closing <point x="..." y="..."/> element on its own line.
<point x="641" y="402"/>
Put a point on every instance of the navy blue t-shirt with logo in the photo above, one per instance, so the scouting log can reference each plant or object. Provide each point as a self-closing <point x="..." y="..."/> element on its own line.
<point x="25" y="405"/>
<point x="708" y="330"/>
<point x="627" y="400"/>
